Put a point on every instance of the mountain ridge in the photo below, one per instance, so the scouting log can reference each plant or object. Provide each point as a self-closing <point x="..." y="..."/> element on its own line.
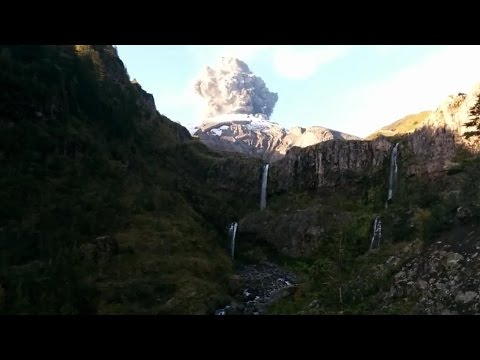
<point x="258" y="137"/>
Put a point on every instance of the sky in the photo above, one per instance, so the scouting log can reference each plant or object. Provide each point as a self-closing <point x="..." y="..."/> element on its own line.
<point x="350" y="88"/>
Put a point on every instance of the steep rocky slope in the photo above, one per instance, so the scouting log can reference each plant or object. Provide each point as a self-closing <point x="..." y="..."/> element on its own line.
<point x="255" y="136"/>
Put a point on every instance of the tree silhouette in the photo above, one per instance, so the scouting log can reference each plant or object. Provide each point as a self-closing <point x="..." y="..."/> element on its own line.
<point x="474" y="120"/>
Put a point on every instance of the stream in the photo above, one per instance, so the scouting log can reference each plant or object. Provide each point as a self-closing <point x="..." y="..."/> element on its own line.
<point x="263" y="284"/>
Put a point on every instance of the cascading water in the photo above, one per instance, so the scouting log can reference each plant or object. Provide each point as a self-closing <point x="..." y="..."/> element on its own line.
<point x="377" y="233"/>
<point x="232" y="232"/>
<point x="393" y="174"/>
<point x="263" y="195"/>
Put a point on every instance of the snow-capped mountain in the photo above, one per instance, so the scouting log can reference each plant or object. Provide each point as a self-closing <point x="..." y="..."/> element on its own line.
<point x="256" y="136"/>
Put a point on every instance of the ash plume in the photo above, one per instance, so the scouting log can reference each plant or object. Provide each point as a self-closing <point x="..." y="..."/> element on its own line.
<point x="231" y="88"/>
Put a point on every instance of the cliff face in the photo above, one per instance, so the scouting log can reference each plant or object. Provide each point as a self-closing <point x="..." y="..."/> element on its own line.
<point x="454" y="112"/>
<point x="427" y="152"/>
<point x="326" y="164"/>
<point x="260" y="138"/>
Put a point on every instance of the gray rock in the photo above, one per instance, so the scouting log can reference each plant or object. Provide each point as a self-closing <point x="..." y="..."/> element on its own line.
<point x="238" y="305"/>
<point x="452" y="260"/>
<point x="282" y="293"/>
<point x="261" y="307"/>
<point x="422" y="284"/>
<point x="466" y="297"/>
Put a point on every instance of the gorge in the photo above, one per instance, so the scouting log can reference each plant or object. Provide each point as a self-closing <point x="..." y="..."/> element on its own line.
<point x="109" y="207"/>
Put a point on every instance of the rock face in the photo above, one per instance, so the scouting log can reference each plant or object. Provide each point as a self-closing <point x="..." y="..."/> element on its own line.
<point x="325" y="164"/>
<point x="427" y="152"/>
<point x="236" y="172"/>
<point x="294" y="233"/>
<point x="260" y="138"/>
<point x="430" y="151"/>
<point x="146" y="105"/>
<point x="454" y="112"/>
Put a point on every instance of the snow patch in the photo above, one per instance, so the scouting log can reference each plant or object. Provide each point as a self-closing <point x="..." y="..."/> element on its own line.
<point x="259" y="124"/>
<point x="216" y="132"/>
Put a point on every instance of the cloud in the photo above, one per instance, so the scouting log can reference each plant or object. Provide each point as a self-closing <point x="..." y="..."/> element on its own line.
<point x="231" y="87"/>
<point x="421" y="86"/>
<point x="298" y="62"/>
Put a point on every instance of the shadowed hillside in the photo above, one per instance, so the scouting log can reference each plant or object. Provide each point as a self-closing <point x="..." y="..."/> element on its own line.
<point x="107" y="206"/>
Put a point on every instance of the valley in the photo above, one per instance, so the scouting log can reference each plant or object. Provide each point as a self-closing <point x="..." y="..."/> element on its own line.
<point x="109" y="207"/>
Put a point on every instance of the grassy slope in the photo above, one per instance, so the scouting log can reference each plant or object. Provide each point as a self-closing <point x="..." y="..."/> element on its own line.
<point x="404" y="125"/>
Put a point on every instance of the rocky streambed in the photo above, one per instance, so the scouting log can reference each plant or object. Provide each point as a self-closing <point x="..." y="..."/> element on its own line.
<point x="261" y="285"/>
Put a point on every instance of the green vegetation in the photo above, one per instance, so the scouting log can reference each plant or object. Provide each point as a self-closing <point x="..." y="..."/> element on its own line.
<point x="474" y="120"/>
<point x="83" y="155"/>
<point x="343" y="275"/>
<point x="109" y="207"/>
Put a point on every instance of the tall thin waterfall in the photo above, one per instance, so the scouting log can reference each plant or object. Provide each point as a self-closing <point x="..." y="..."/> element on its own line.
<point x="263" y="195"/>
<point x="393" y="174"/>
<point x="232" y="232"/>
<point x="377" y="233"/>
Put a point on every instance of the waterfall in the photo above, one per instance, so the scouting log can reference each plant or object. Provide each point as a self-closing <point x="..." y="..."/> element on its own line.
<point x="393" y="174"/>
<point x="377" y="233"/>
<point x="263" y="195"/>
<point x="232" y="232"/>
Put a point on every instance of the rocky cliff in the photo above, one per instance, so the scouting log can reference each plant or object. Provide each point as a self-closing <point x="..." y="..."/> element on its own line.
<point x="260" y="138"/>
<point x="327" y="164"/>
<point x="427" y="152"/>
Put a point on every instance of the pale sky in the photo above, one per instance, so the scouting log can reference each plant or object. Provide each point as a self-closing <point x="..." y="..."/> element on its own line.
<point x="351" y="88"/>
